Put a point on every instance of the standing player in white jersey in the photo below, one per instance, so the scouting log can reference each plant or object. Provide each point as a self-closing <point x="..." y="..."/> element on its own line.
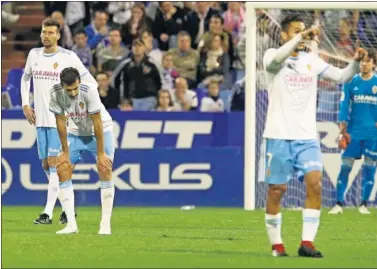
<point x="290" y="134"/>
<point x="44" y="65"/>
<point x="90" y="128"/>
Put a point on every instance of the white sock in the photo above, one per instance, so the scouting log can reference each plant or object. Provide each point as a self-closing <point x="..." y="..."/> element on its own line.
<point x="310" y="226"/>
<point x="107" y="200"/>
<point x="52" y="192"/>
<point x="68" y="202"/>
<point x="273" y="225"/>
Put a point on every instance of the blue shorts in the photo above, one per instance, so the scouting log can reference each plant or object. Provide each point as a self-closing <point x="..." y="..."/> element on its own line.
<point x="356" y="148"/>
<point x="48" y="142"/>
<point x="284" y="157"/>
<point x="79" y="144"/>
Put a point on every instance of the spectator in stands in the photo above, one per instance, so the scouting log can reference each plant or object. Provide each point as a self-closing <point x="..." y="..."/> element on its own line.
<point x="346" y="40"/>
<point x="198" y="22"/>
<point x="155" y="54"/>
<point x="234" y="19"/>
<point x="7" y="18"/>
<point x="238" y="98"/>
<point x="214" y="64"/>
<point x="164" y="101"/>
<point x="185" y="59"/>
<point x="125" y="105"/>
<point x="109" y="96"/>
<point x="82" y="49"/>
<point x="77" y="15"/>
<point x="240" y="58"/>
<point x="213" y="102"/>
<point x="65" y="40"/>
<point x="169" y="74"/>
<point x="183" y="98"/>
<point x="138" y="78"/>
<point x="168" y="22"/>
<point x="113" y="52"/>
<point x="138" y="23"/>
<point x="98" y="31"/>
<point x="216" y="26"/>
<point x="188" y="7"/>
<point x="121" y="11"/>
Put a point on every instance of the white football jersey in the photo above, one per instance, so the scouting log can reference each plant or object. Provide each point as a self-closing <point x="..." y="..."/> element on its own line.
<point x="78" y="109"/>
<point x="210" y="105"/>
<point x="292" y="96"/>
<point x="45" y="70"/>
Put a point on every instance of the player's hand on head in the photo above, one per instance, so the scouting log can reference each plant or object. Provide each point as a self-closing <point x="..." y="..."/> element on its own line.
<point x="29" y="114"/>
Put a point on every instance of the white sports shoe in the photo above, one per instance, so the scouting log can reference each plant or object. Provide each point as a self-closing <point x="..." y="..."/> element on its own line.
<point x="105" y="228"/>
<point x="68" y="230"/>
<point x="337" y="209"/>
<point x="364" y="210"/>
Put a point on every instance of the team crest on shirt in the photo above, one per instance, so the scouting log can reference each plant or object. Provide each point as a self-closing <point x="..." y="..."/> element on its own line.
<point x="268" y="172"/>
<point x="81" y="104"/>
<point x="55" y="65"/>
<point x="309" y="66"/>
<point x="146" y="70"/>
<point x="374" y="89"/>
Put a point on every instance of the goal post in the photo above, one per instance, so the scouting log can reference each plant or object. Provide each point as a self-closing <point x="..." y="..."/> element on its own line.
<point x="250" y="150"/>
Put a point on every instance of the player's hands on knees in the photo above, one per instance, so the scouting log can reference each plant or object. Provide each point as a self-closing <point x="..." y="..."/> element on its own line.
<point x="104" y="160"/>
<point x="29" y="114"/>
<point x="63" y="158"/>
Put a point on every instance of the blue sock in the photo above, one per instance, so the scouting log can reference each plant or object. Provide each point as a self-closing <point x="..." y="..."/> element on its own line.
<point x="367" y="182"/>
<point x="342" y="182"/>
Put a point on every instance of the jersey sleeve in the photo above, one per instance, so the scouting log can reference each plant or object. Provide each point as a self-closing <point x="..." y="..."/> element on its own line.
<point x="85" y="75"/>
<point x="93" y="102"/>
<point x="25" y="80"/>
<point x="55" y="107"/>
<point x="345" y="102"/>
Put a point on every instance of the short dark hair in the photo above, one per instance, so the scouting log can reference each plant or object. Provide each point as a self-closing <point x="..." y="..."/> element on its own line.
<point x="218" y="16"/>
<point x="69" y="75"/>
<point x="289" y="19"/>
<point x="51" y="22"/>
<point x="100" y="11"/>
<point x="116" y="29"/>
<point x="149" y="32"/>
<point x="102" y="73"/>
<point x="79" y="32"/>
<point x="183" y="33"/>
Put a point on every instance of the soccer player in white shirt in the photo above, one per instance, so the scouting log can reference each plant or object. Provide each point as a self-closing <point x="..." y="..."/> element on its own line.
<point x="90" y="128"/>
<point x="290" y="134"/>
<point x="44" y="66"/>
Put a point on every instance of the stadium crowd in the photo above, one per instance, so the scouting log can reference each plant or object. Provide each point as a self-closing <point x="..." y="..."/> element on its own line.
<point x="180" y="56"/>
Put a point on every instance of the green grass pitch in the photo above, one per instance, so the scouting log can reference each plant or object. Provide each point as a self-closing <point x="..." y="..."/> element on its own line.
<point x="169" y="237"/>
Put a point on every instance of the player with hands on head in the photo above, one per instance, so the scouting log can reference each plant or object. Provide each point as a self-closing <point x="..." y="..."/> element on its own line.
<point x="90" y="129"/>
<point x="290" y="137"/>
<point x="358" y="131"/>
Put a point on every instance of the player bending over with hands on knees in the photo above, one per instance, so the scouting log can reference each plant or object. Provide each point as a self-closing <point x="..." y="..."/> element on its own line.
<point x="358" y="131"/>
<point x="90" y="128"/>
<point x="290" y="136"/>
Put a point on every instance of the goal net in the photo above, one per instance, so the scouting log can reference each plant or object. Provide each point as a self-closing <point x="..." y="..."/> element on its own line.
<point x="340" y="32"/>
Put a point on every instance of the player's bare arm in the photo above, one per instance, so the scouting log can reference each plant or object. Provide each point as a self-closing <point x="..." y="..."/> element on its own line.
<point x="103" y="162"/>
<point x="64" y="166"/>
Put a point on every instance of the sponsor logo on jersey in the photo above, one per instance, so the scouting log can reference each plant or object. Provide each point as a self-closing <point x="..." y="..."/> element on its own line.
<point x="356" y="89"/>
<point x="81" y="105"/>
<point x="56" y="65"/>
<point x="374" y="89"/>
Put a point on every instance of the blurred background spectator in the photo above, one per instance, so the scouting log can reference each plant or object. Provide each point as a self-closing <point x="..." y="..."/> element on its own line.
<point x="110" y="96"/>
<point x="82" y="49"/>
<point x="169" y="74"/>
<point x="65" y="40"/>
<point x="183" y="98"/>
<point x="164" y="101"/>
<point x="212" y="102"/>
<point x="138" y="78"/>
